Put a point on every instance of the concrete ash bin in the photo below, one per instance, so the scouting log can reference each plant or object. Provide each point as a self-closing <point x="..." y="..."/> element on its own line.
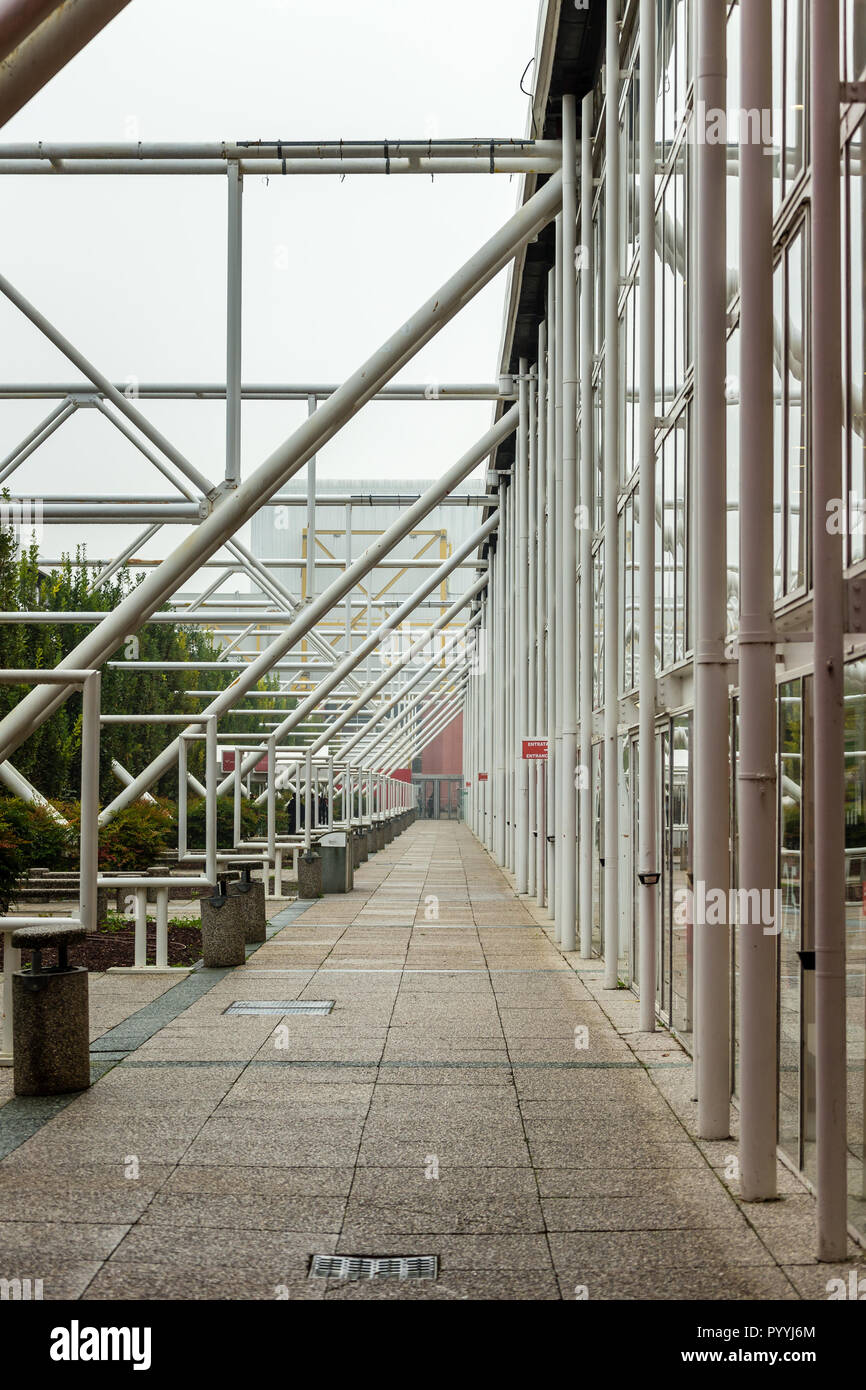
<point x="223" y="928"/>
<point x="50" y="1016"/>
<point x="251" y="895"/>
<point x="309" y="875"/>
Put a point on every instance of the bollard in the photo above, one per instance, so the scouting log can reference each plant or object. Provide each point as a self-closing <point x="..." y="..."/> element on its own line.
<point x="309" y="875"/>
<point x="223" y="933"/>
<point x="251" y="896"/>
<point x="50" y="1016"/>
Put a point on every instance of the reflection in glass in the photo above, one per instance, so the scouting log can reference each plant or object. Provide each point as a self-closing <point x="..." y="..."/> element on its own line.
<point x="855" y="414"/>
<point x="680" y="803"/>
<point x="795" y="357"/>
<point x="855" y="934"/>
<point x="791" y="794"/>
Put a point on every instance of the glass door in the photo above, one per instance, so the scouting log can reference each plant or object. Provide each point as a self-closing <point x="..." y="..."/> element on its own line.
<point x="792" y="801"/>
<point x="682" y="928"/>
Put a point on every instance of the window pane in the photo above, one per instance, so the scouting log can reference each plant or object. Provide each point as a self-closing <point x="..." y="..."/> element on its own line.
<point x="856" y="417"/>
<point x="796" y="427"/>
<point x="790" y="884"/>
<point x="778" y="428"/>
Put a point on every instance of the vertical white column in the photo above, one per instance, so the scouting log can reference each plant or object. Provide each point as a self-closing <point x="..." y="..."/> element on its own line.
<point x="611" y="486"/>
<point x="647" y="866"/>
<point x="711" y="775"/>
<point x="234" y="319"/>
<point x="500" y="726"/>
<point x="756" y="777"/>
<point x="541" y="612"/>
<point x="348" y="563"/>
<point x="560" y="600"/>
<point x="551" y="560"/>
<point x="521" y="668"/>
<point x="512" y="618"/>
<point x="829" y="728"/>
<point x="531" y="637"/>
<point x="568" y="795"/>
<point x="587" y="297"/>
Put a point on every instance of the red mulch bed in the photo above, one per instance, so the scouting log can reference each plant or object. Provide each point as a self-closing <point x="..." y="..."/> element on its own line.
<point x="107" y="947"/>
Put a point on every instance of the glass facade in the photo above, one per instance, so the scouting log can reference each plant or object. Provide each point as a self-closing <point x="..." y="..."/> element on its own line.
<point x="675" y="316"/>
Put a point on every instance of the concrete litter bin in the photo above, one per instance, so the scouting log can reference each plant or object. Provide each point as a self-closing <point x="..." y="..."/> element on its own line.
<point x="50" y="1016"/>
<point x="359" y="842"/>
<point x="309" y="875"/>
<point x="338" y="868"/>
<point x="251" y="894"/>
<point x="223" y="928"/>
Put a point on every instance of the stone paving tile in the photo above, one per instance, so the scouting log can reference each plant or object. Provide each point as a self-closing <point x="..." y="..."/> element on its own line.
<point x="787" y="1228"/>
<point x="815" y="1281"/>
<point x="411" y="1187"/>
<point x="579" y="1183"/>
<point x="276" y="1185"/>
<point x="135" y="1280"/>
<point x="66" y="1279"/>
<point x="284" y="1252"/>
<point x="247" y="1212"/>
<point x="441" y="1108"/>
<point x="57" y="1240"/>
<point x="96" y="1193"/>
<point x="520" y="1252"/>
<point x="453" y="1284"/>
<point x="645" y="1213"/>
<point x="366" y="1220"/>
<point x="640" y="1250"/>
<point x="388" y="1152"/>
<point x="716" y="1282"/>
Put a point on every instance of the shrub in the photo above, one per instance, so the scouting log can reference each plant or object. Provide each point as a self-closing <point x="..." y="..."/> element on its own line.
<point x="11" y="867"/>
<point x="250" y="821"/>
<point x="137" y="837"/>
<point x="40" y="839"/>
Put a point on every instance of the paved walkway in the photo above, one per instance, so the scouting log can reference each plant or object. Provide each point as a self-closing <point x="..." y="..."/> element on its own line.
<point x="447" y="1106"/>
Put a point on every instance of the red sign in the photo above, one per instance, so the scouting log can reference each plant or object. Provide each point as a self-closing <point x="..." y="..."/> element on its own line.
<point x="468" y="786"/>
<point x="482" y="776"/>
<point x="228" y="761"/>
<point x="535" y="748"/>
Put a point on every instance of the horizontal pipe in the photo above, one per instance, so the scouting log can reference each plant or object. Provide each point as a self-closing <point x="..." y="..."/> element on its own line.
<point x="310" y="150"/>
<point x="295" y="499"/>
<point x="277" y="391"/>
<point x="521" y="164"/>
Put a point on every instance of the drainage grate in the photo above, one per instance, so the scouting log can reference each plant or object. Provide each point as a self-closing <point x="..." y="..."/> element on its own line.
<point x="374" y="1267"/>
<point x="280" y="1006"/>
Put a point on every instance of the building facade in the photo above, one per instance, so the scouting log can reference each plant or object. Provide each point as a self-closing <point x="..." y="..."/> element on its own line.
<point x="566" y="659"/>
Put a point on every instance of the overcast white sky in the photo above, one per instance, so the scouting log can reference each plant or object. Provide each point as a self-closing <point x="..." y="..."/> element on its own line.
<point x="133" y="269"/>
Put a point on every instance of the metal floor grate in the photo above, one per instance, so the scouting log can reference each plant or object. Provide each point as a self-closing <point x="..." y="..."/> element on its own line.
<point x="370" y="1267"/>
<point x="280" y="1006"/>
